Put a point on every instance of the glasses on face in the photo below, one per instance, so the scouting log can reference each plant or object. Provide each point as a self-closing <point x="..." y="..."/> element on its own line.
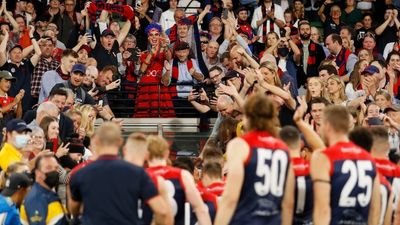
<point x="37" y="137"/>
<point x="204" y="42"/>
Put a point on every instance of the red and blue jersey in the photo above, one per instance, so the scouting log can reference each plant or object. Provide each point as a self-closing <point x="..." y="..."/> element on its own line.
<point x="352" y="179"/>
<point x="265" y="176"/>
<point x="386" y="168"/>
<point x="303" y="192"/>
<point x="145" y="212"/>
<point x="385" y="190"/>
<point x="210" y="200"/>
<point x="175" y="189"/>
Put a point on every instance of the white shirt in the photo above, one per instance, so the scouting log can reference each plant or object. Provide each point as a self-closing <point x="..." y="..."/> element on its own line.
<point x="191" y="8"/>
<point x="278" y="14"/>
<point x="388" y="48"/>
<point x="167" y="19"/>
<point x="185" y="77"/>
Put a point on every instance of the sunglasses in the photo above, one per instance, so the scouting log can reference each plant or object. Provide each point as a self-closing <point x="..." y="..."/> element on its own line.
<point x="204" y="42"/>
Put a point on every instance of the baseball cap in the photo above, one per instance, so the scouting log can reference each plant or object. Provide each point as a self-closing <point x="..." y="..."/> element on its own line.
<point x="231" y="74"/>
<point x="15" y="182"/>
<point x="107" y="32"/>
<point x="184" y="21"/>
<point x="17" y="125"/>
<point x="78" y="68"/>
<point x="16" y="46"/>
<point x="181" y="45"/>
<point x="7" y="75"/>
<point x="371" y="69"/>
<point x="85" y="47"/>
<point x="76" y="146"/>
<point x="393" y="108"/>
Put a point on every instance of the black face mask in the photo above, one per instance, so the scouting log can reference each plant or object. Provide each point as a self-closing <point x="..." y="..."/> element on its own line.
<point x="51" y="179"/>
<point x="305" y="37"/>
<point x="283" y="51"/>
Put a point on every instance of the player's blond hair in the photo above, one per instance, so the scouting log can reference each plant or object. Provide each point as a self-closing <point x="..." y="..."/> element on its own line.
<point x="157" y="147"/>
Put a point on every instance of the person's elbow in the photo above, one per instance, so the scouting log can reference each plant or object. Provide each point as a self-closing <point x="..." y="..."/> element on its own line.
<point x="201" y="211"/>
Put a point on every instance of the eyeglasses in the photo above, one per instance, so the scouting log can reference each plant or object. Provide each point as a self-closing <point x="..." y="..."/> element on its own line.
<point x="204" y="42"/>
<point x="37" y="137"/>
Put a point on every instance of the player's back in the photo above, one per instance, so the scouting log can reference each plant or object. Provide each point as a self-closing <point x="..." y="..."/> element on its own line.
<point x="175" y="189"/>
<point x="352" y="179"/>
<point x="265" y="174"/>
<point x="385" y="191"/>
<point x="303" y="192"/>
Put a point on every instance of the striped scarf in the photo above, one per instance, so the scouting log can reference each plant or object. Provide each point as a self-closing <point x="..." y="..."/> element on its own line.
<point x="271" y="22"/>
<point x="175" y="74"/>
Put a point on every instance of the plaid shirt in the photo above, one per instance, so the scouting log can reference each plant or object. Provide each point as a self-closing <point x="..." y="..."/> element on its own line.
<point x="42" y="67"/>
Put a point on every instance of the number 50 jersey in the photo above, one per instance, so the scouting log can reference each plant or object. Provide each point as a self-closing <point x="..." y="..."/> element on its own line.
<point x="352" y="173"/>
<point x="265" y="175"/>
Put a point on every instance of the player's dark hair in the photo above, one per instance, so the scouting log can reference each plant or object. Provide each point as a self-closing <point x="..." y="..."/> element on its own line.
<point x="69" y="52"/>
<point x="213" y="156"/>
<point x="329" y="68"/>
<point x="379" y="134"/>
<point x="184" y="163"/>
<point x="318" y="100"/>
<point x="290" y="135"/>
<point x="361" y="137"/>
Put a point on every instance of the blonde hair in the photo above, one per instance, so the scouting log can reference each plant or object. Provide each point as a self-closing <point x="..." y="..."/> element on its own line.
<point x="308" y="95"/>
<point x="109" y="134"/>
<point x="86" y="122"/>
<point x="342" y="94"/>
<point x="157" y="146"/>
<point x="272" y="67"/>
<point x="12" y="168"/>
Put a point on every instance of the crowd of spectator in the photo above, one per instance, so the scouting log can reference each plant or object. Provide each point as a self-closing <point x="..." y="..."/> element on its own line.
<point x="65" y="63"/>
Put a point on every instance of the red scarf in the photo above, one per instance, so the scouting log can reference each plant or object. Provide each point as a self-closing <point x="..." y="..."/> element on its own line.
<point x="271" y="22"/>
<point x="175" y="74"/>
<point x="62" y="75"/>
<point x="341" y="60"/>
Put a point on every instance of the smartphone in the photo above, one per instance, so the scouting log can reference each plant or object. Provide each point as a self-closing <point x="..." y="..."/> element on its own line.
<point x="100" y="103"/>
<point x="134" y="54"/>
<point x="90" y="35"/>
<point x="49" y="145"/>
<point x="225" y="14"/>
<point x="374" y="121"/>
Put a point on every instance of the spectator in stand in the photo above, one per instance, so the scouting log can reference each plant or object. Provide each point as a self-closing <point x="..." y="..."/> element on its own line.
<point x="336" y="91"/>
<point x="153" y="99"/>
<point x="12" y="197"/>
<point x="267" y="17"/>
<point x="211" y="54"/>
<point x="86" y="186"/>
<point x="10" y="107"/>
<point x="17" y="138"/>
<point x="59" y="75"/>
<point x="59" y="98"/>
<point x="46" y="63"/>
<point x="326" y="71"/>
<point x="68" y="22"/>
<point x="355" y="87"/>
<point x="387" y="30"/>
<point x="21" y="68"/>
<point x="180" y="74"/>
<point x="392" y="46"/>
<point x="350" y="14"/>
<point x="317" y="106"/>
<point x="52" y="27"/>
<point x="383" y="100"/>
<point x="75" y="84"/>
<point x="315" y="88"/>
<point x="205" y="38"/>
<point x="107" y="50"/>
<point x="167" y="19"/>
<point x="42" y="201"/>
<point x="312" y="54"/>
<point x="17" y="167"/>
<point x="366" y="55"/>
<point x="333" y="23"/>
<point x="89" y="114"/>
<point x="147" y="13"/>
<point x="369" y="44"/>
<point x="243" y="22"/>
<point x="44" y="109"/>
<point x="343" y="58"/>
<point x="298" y="9"/>
<point x="367" y="26"/>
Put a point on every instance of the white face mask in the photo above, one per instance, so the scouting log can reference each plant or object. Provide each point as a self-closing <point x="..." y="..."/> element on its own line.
<point x="21" y="140"/>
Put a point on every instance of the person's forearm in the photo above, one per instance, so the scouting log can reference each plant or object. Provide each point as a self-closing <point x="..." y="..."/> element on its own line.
<point x="279" y="22"/>
<point x="379" y="30"/>
<point x="18" y="113"/>
<point x="3" y="47"/>
<point x="271" y="49"/>
<point x="124" y="32"/>
<point x="36" y="47"/>
<point x="198" y="76"/>
<point x="311" y="137"/>
<point x="397" y="23"/>
<point x="253" y="63"/>
<point x="103" y="16"/>
<point x="239" y="100"/>
<point x="202" y="215"/>
<point x="200" y="107"/>
<point x="146" y="63"/>
<point x="13" y="22"/>
<point x="223" y="218"/>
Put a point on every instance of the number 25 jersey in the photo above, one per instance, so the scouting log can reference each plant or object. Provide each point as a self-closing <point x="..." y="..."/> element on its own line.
<point x="265" y="175"/>
<point x="352" y="174"/>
